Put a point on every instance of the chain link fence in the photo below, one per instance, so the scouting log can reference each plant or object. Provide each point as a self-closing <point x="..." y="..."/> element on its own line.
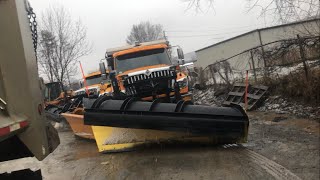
<point x="285" y="64"/>
<point x="270" y="60"/>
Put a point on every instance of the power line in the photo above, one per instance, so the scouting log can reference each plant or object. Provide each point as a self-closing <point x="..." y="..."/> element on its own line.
<point x="210" y="30"/>
<point x="225" y="33"/>
<point x="204" y="35"/>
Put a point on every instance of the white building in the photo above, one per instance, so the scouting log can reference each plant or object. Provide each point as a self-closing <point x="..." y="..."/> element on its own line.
<point x="233" y="46"/>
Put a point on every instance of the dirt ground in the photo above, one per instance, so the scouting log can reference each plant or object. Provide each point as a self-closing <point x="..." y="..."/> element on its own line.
<point x="290" y="141"/>
<point x="286" y="149"/>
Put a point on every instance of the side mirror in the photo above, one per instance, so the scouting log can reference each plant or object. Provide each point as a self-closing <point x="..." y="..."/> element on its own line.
<point x="80" y="84"/>
<point x="180" y="53"/>
<point x="110" y="64"/>
<point x="112" y="74"/>
<point x="114" y="82"/>
<point x="181" y="62"/>
<point x="103" y="70"/>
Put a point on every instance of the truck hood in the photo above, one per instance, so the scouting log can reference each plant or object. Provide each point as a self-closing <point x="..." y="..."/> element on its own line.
<point x="142" y="70"/>
<point x="149" y="69"/>
<point x="95" y="86"/>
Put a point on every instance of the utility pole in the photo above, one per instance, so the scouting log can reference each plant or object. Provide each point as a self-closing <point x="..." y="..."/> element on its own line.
<point x="262" y="49"/>
<point x="211" y="67"/>
<point x="164" y="35"/>
<point x="254" y="68"/>
<point x="303" y="57"/>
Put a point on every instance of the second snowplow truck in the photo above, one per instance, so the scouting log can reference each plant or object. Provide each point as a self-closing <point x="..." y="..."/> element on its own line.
<point x="152" y="93"/>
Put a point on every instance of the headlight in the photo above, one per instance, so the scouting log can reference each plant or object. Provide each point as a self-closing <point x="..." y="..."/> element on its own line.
<point x="172" y="68"/>
<point x="94" y="91"/>
<point x="183" y="82"/>
<point x="106" y="94"/>
<point x="124" y="77"/>
<point x="79" y="92"/>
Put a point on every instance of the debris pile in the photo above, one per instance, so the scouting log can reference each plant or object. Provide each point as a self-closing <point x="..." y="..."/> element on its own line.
<point x="224" y="96"/>
<point x="209" y="96"/>
<point x="276" y="104"/>
<point x="282" y="105"/>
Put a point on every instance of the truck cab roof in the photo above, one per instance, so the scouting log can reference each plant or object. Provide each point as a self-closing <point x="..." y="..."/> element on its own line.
<point x="111" y="51"/>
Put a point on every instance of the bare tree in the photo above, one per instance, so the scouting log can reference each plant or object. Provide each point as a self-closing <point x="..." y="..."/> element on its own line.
<point x="46" y="59"/>
<point x="286" y="11"/>
<point x="144" y="32"/>
<point x="62" y="42"/>
<point x="196" y="4"/>
<point x="224" y="71"/>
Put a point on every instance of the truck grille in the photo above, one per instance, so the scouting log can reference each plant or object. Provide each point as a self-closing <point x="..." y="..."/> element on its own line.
<point x="143" y="85"/>
<point x="91" y="91"/>
<point x="153" y="75"/>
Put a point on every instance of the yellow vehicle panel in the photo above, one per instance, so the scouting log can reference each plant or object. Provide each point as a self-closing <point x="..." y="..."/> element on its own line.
<point x="77" y="125"/>
<point x="112" y="139"/>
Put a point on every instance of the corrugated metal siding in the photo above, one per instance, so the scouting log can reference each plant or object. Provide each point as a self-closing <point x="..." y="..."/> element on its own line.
<point x="233" y="46"/>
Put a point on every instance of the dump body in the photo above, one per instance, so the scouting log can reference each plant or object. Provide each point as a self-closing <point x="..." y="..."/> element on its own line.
<point x="23" y="129"/>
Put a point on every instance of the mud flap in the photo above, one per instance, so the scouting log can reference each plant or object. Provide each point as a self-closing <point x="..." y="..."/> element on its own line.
<point x="53" y="137"/>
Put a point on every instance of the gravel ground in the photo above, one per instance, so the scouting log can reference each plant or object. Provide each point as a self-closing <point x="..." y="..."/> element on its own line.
<point x="288" y="140"/>
<point x="281" y="129"/>
<point x="280" y="146"/>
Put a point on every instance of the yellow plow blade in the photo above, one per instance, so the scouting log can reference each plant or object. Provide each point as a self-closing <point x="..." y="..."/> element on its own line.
<point x="113" y="139"/>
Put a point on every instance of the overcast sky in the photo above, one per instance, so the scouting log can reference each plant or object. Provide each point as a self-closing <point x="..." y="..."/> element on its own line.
<point x="109" y="22"/>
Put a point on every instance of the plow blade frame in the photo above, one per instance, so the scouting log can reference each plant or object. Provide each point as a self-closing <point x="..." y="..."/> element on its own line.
<point x="182" y="117"/>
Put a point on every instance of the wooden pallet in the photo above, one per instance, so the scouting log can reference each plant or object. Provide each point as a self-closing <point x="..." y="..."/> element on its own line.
<point x="256" y="94"/>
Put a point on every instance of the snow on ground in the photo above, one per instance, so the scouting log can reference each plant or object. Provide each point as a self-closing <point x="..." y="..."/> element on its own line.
<point x="208" y="97"/>
<point x="275" y="104"/>
<point x="287" y="106"/>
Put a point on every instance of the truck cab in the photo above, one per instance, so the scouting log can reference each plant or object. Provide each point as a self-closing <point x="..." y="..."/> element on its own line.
<point x="146" y="70"/>
<point x="96" y="85"/>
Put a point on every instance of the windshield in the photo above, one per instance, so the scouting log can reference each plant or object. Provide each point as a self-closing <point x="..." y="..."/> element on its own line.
<point x="141" y="59"/>
<point x="94" y="80"/>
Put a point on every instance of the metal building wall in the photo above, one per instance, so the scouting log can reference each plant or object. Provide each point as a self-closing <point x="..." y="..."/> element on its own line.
<point x="238" y="44"/>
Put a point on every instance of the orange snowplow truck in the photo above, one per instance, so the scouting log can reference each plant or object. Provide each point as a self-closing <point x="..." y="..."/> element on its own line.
<point x="150" y="103"/>
<point x="145" y="70"/>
